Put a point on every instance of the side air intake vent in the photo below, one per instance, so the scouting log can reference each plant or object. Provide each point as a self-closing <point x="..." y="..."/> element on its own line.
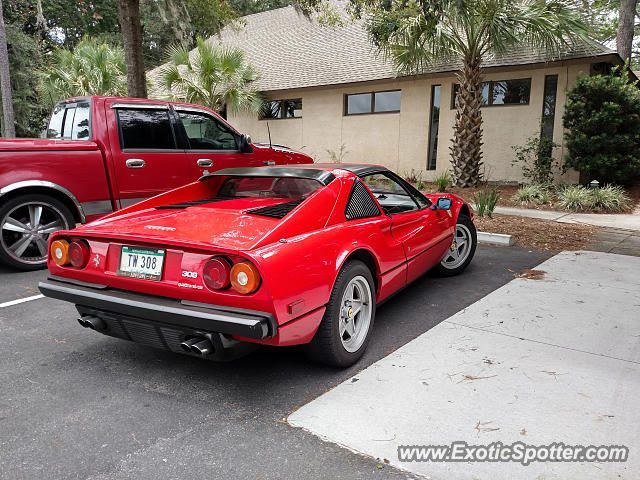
<point x="193" y="203"/>
<point x="361" y="204"/>
<point x="275" y="211"/>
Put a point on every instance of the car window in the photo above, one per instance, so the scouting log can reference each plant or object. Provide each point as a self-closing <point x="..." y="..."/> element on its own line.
<point x="81" y="126"/>
<point x="392" y="196"/>
<point x="206" y="132"/>
<point x="55" y="124"/>
<point x="145" y="129"/>
<point x="272" y="187"/>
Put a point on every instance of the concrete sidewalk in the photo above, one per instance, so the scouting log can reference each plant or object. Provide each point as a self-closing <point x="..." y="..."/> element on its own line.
<point x="625" y="221"/>
<point x="537" y="361"/>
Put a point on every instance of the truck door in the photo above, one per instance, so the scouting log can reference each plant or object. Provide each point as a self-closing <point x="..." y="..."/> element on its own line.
<point x="146" y="157"/>
<point x="211" y="144"/>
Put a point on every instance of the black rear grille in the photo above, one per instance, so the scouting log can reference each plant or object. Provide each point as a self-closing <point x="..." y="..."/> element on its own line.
<point x="193" y="203"/>
<point x="276" y="211"/>
<point x="361" y="204"/>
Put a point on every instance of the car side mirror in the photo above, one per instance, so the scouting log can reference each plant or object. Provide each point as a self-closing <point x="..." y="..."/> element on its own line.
<point x="442" y="204"/>
<point x="245" y="144"/>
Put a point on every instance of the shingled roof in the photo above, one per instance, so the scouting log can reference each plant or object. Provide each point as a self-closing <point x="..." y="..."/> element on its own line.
<point x="294" y="51"/>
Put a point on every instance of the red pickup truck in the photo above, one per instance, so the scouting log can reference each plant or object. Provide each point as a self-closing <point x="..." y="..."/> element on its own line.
<point x="106" y="153"/>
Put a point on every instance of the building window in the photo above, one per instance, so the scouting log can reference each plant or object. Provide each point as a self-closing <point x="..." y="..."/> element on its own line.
<point x="549" y="106"/>
<point x="372" y="102"/>
<point x="433" y="129"/>
<point x="275" y="109"/>
<point x="501" y="92"/>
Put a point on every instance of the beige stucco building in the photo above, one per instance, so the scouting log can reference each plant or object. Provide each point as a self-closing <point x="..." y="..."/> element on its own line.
<point x="333" y="94"/>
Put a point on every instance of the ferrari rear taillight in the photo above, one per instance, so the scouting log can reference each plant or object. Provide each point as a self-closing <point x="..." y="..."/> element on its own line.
<point x="245" y="278"/>
<point x="60" y="252"/>
<point x="79" y="253"/>
<point x="217" y="273"/>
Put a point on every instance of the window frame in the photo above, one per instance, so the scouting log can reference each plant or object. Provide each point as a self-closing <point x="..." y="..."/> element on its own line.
<point x="411" y="191"/>
<point x="144" y="107"/>
<point x="282" y="109"/>
<point x="185" y="137"/>
<point x="345" y="103"/>
<point x="66" y="106"/>
<point x="490" y="96"/>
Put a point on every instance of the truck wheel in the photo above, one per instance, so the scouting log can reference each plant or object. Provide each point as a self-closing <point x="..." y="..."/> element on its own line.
<point x="26" y="222"/>
<point x="344" y="332"/>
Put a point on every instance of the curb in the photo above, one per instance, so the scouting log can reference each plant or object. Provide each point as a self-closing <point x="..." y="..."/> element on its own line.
<point x="496" y="239"/>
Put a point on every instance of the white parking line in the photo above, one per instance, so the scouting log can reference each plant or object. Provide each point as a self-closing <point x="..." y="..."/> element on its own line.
<point x="20" y="300"/>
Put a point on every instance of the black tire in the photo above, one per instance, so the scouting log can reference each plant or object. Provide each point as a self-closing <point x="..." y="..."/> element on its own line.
<point x="447" y="270"/>
<point x="327" y="345"/>
<point x="52" y="211"/>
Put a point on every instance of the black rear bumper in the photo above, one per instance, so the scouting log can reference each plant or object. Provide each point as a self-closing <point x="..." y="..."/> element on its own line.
<point x="160" y="311"/>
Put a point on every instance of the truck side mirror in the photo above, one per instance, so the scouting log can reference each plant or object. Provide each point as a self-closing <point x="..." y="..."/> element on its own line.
<point x="245" y="144"/>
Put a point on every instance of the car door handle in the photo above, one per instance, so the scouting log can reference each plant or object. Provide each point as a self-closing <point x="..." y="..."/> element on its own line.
<point x="135" y="163"/>
<point x="205" y="162"/>
<point x="268" y="162"/>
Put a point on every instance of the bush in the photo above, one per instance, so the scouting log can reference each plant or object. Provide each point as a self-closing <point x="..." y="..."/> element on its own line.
<point x="486" y="201"/>
<point x="532" y="193"/>
<point x="413" y="176"/>
<point x="611" y="199"/>
<point x="575" y="198"/>
<point x="443" y="180"/>
<point x="536" y="159"/>
<point x="602" y="118"/>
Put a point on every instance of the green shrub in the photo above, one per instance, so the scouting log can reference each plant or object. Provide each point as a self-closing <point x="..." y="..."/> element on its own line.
<point x="536" y="159"/>
<point x="486" y="200"/>
<point x="413" y="176"/>
<point x="532" y="193"/>
<point x="443" y="180"/>
<point x="602" y="118"/>
<point x="610" y="199"/>
<point x="575" y="198"/>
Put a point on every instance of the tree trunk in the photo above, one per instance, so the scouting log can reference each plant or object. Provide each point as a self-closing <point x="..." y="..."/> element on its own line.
<point x="132" y="43"/>
<point x="624" y="37"/>
<point x="466" y="151"/>
<point x="5" y="83"/>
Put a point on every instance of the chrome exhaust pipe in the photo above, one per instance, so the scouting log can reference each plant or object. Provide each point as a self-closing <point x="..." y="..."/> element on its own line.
<point x="202" y="347"/>
<point x="186" y="345"/>
<point x="94" y="323"/>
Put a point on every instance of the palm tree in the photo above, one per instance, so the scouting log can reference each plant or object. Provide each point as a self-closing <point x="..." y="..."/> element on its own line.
<point x="92" y="68"/>
<point x="211" y="75"/>
<point x="468" y="30"/>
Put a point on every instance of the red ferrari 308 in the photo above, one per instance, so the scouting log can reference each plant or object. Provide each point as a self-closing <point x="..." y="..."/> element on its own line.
<point x="280" y="255"/>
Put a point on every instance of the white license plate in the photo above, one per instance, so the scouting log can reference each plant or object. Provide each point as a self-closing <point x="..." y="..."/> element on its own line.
<point x="139" y="262"/>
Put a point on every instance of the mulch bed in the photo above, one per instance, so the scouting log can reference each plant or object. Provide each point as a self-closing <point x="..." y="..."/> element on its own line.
<point x="507" y="191"/>
<point x="539" y="234"/>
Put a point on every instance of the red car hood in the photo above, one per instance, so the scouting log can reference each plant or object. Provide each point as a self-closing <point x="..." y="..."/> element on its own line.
<point x="38" y="144"/>
<point x="223" y="224"/>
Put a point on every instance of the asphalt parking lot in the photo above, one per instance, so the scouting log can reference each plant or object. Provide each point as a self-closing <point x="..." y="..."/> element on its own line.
<point x="77" y="404"/>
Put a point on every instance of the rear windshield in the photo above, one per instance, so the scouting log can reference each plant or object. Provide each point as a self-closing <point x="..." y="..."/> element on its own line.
<point x="272" y="187"/>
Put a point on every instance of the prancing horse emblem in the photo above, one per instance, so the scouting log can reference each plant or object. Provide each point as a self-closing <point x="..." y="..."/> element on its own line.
<point x="96" y="260"/>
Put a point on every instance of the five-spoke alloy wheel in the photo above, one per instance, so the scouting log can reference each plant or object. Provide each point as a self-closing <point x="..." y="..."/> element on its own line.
<point x="344" y="332"/>
<point x="462" y="248"/>
<point x="25" y="225"/>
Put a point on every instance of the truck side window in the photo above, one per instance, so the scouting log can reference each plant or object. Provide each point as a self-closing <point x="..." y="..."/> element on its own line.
<point x="81" y="126"/>
<point x="145" y="129"/>
<point x="55" y="124"/>
<point x="207" y="133"/>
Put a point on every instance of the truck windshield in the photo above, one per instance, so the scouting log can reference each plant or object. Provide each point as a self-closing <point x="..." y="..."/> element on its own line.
<point x="70" y="121"/>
